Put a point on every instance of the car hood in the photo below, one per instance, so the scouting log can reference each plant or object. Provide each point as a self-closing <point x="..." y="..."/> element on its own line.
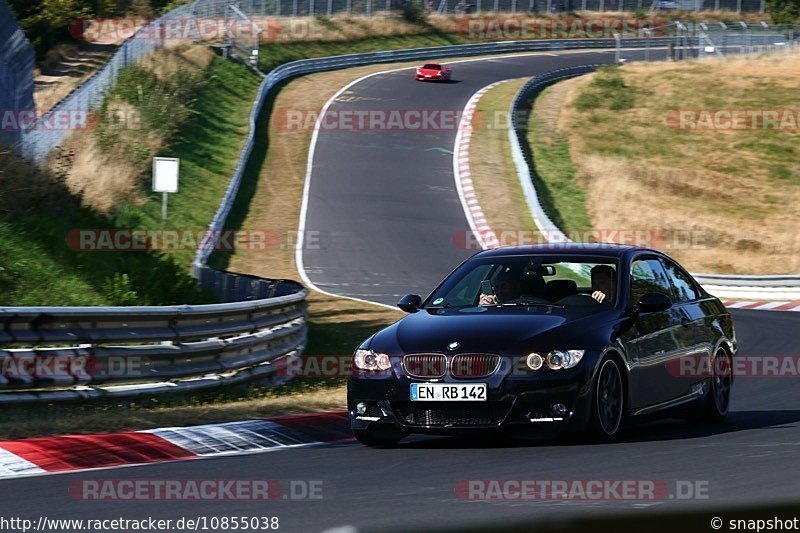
<point x="497" y="330"/>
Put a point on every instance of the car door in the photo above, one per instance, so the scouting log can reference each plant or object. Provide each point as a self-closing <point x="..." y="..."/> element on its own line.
<point x="694" y="336"/>
<point x="652" y="341"/>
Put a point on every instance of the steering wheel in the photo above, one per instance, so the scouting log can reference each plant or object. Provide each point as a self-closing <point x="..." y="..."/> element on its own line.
<point x="581" y="299"/>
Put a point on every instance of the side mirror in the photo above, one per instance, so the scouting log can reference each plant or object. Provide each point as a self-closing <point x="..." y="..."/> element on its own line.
<point x="653" y="302"/>
<point x="410" y="303"/>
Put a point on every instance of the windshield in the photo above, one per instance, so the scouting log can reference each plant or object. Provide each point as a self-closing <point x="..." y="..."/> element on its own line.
<point x="530" y="280"/>
<point x="431" y="66"/>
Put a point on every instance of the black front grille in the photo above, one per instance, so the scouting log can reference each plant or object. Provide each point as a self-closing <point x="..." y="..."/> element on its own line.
<point x="473" y="365"/>
<point x="444" y="414"/>
<point x="425" y="365"/>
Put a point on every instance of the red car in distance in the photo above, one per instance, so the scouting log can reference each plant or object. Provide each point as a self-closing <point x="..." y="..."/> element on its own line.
<point x="433" y="72"/>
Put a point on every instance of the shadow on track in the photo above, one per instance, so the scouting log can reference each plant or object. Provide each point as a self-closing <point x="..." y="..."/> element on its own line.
<point x="664" y="430"/>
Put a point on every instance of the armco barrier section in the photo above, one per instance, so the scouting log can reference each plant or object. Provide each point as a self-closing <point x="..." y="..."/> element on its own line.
<point x="116" y="352"/>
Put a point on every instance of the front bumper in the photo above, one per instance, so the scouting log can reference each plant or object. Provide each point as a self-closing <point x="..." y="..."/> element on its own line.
<point x="514" y="402"/>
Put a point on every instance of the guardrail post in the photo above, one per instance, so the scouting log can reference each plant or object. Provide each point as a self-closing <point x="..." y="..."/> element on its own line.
<point x="311" y="8"/>
<point x="744" y="47"/>
<point x="349" y="7"/>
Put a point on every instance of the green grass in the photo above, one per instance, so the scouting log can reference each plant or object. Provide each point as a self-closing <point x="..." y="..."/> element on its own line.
<point x="208" y="145"/>
<point x="38" y="266"/>
<point x="555" y="177"/>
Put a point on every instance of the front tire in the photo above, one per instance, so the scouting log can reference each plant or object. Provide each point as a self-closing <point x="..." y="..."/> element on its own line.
<point x="608" y="402"/>
<point x="376" y="440"/>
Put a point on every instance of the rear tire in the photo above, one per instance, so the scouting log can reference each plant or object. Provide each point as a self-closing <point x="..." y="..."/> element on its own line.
<point x="376" y="440"/>
<point x="608" y="402"/>
<point x="714" y="406"/>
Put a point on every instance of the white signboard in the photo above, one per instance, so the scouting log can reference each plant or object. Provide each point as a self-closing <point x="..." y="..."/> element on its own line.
<point x="165" y="174"/>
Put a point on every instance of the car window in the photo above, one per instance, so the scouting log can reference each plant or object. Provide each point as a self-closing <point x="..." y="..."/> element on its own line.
<point x="685" y="290"/>
<point x="431" y="66"/>
<point x="647" y="275"/>
<point x="463" y="293"/>
<point x="529" y="280"/>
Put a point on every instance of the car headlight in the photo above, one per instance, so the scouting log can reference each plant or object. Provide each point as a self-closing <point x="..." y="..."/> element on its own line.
<point x="369" y="360"/>
<point x="555" y="360"/>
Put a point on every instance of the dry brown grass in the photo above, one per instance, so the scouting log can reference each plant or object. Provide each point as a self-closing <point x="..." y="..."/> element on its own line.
<point x="323" y="399"/>
<point x="104" y="179"/>
<point x="719" y="187"/>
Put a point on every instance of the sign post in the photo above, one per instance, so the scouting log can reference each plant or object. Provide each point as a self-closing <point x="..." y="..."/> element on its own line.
<point x="165" y="179"/>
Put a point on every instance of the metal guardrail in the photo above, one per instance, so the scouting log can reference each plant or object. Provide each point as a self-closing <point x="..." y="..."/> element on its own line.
<point x="132" y="351"/>
<point x="723" y="285"/>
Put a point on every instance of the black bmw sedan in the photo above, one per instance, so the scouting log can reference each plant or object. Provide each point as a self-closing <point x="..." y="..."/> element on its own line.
<point x="544" y="338"/>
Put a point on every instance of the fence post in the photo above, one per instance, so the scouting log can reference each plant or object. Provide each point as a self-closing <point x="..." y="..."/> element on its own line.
<point x="349" y="7"/>
<point x="311" y="8"/>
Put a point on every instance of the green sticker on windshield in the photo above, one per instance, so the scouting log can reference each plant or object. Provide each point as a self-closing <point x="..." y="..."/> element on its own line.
<point x="437" y="301"/>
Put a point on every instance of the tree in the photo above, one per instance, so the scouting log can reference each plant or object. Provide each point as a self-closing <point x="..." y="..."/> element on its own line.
<point x="784" y="11"/>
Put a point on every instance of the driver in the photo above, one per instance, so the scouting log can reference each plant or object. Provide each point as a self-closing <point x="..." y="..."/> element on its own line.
<point x="603" y="289"/>
<point x="507" y="288"/>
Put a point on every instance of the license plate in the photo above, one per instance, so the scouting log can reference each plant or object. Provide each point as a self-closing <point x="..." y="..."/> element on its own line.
<point x="448" y="392"/>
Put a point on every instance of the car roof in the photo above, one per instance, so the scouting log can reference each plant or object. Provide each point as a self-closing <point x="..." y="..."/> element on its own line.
<point x="570" y="248"/>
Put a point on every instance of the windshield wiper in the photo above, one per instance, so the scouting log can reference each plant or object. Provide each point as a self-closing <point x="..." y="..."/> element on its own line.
<point x="534" y="304"/>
